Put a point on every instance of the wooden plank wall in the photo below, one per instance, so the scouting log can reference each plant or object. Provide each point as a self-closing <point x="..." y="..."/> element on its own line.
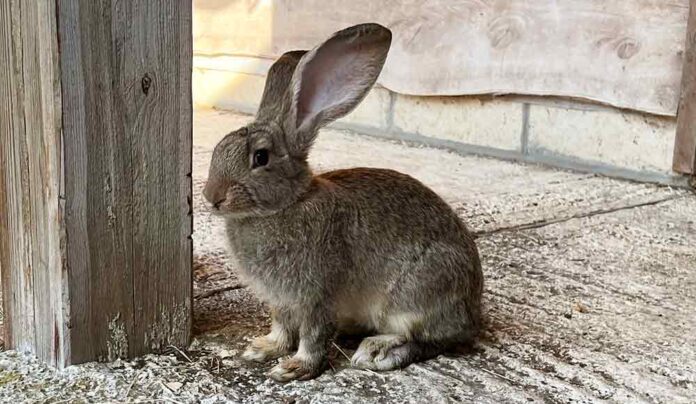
<point x="95" y="177"/>
<point x="31" y="256"/>
<point x="626" y="53"/>
<point x="685" y="145"/>
<point x="126" y="82"/>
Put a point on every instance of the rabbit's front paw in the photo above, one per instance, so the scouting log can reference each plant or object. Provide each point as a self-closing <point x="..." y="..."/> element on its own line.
<point x="263" y="349"/>
<point x="295" y="369"/>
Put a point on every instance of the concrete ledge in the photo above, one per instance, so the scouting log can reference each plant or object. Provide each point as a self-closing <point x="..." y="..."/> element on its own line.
<point x="563" y="162"/>
<point x="626" y="140"/>
<point x="471" y="120"/>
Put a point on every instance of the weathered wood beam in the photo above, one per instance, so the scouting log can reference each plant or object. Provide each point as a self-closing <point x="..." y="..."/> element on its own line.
<point x="685" y="145"/>
<point x="31" y="255"/>
<point x="95" y="177"/>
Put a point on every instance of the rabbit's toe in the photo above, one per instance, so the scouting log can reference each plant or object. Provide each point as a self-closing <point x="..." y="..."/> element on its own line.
<point x="263" y="349"/>
<point x="294" y="369"/>
<point x="383" y="352"/>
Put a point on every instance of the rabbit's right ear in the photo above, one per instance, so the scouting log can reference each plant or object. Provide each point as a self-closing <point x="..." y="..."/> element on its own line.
<point x="332" y="79"/>
<point x="275" y="101"/>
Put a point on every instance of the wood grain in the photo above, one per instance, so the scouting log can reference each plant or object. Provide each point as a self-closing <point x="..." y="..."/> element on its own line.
<point x="30" y="220"/>
<point x="127" y="114"/>
<point x="685" y="145"/>
<point x="95" y="184"/>
<point x="625" y="53"/>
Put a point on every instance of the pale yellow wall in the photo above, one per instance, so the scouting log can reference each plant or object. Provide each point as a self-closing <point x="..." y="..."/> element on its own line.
<point x="624" y="53"/>
<point x="235" y="43"/>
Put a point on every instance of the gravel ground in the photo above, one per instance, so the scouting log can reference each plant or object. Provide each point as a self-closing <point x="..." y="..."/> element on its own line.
<point x="590" y="294"/>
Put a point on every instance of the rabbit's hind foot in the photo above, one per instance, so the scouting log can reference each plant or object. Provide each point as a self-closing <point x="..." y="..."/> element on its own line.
<point x="389" y="351"/>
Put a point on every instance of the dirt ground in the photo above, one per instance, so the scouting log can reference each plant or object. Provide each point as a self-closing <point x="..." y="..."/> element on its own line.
<point x="590" y="294"/>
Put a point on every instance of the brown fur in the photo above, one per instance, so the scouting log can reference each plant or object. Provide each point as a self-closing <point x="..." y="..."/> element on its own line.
<point x="366" y="249"/>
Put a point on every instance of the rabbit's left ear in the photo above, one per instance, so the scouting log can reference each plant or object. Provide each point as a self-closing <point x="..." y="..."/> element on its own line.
<point x="332" y="79"/>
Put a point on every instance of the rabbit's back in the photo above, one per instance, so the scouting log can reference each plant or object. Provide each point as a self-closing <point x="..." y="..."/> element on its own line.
<point x="412" y="256"/>
<point x="386" y="206"/>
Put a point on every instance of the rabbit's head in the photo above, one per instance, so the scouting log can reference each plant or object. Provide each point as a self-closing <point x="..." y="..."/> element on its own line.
<point x="262" y="167"/>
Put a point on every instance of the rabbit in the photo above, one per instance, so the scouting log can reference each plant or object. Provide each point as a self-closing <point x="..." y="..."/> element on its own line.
<point x="356" y="251"/>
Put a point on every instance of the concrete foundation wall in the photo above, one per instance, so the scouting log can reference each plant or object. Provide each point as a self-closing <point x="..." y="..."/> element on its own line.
<point x="561" y="133"/>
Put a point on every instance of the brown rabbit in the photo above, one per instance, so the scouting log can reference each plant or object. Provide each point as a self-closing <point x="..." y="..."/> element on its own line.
<point x="356" y="250"/>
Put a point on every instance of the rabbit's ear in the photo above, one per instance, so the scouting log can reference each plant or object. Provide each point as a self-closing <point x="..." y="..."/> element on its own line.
<point x="275" y="101"/>
<point x="332" y="79"/>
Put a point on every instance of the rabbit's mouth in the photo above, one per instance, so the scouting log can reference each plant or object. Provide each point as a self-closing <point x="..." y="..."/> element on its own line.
<point x="236" y="200"/>
<point x="214" y="208"/>
<point x="216" y="205"/>
<point x="226" y="196"/>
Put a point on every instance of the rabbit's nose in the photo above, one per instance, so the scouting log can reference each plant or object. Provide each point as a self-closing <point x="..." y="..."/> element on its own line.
<point x="213" y="194"/>
<point x="207" y="193"/>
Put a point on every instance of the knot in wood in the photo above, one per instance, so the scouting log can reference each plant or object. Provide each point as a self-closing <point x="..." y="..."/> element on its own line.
<point x="146" y="83"/>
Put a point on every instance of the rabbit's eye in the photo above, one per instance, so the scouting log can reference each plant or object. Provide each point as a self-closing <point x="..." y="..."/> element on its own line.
<point x="260" y="158"/>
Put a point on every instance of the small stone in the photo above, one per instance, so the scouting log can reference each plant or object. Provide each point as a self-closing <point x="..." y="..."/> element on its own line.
<point x="174" y="386"/>
<point x="581" y="308"/>
<point x="117" y="364"/>
<point x="227" y="353"/>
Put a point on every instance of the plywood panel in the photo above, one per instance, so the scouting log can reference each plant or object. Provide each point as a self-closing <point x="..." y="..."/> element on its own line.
<point x="685" y="146"/>
<point x="626" y="53"/>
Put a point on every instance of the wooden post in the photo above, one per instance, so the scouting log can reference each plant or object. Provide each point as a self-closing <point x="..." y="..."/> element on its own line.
<point x="685" y="145"/>
<point x="95" y="177"/>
